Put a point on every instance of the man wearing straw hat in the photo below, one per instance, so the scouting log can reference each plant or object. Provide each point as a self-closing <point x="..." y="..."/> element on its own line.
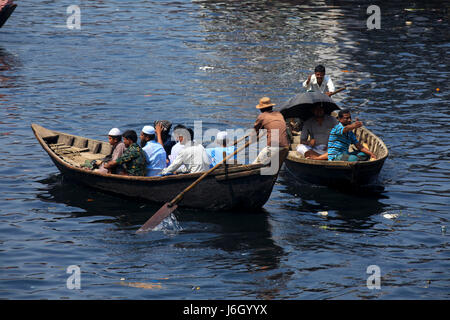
<point x="274" y="123"/>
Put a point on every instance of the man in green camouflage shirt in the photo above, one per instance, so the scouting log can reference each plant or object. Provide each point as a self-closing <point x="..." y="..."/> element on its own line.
<point x="133" y="158"/>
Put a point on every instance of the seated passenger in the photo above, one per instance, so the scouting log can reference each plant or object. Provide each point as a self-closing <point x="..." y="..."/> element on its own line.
<point x="193" y="156"/>
<point x="222" y="151"/>
<point x="118" y="147"/>
<point x="155" y="154"/>
<point x="342" y="136"/>
<point x="179" y="128"/>
<point x="318" y="129"/>
<point x="133" y="158"/>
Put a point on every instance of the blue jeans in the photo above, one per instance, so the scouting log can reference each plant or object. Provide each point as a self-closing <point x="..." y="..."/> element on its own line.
<point x="352" y="156"/>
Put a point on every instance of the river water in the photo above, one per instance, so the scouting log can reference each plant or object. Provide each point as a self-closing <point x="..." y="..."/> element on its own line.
<point x="133" y="62"/>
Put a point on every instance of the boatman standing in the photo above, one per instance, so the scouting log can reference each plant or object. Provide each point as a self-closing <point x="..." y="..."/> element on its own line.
<point x="319" y="81"/>
<point x="274" y="123"/>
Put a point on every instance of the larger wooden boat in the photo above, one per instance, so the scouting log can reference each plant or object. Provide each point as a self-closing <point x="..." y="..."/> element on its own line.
<point x="342" y="174"/>
<point x="233" y="186"/>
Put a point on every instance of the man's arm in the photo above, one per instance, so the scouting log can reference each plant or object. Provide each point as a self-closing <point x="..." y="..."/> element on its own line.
<point x="351" y="127"/>
<point x="158" y="130"/>
<point x="178" y="162"/>
<point x="330" y="87"/>
<point x="361" y="148"/>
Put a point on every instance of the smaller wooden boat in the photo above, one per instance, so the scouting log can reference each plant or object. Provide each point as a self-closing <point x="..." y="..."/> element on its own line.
<point x="233" y="186"/>
<point x="6" y="9"/>
<point x="342" y="174"/>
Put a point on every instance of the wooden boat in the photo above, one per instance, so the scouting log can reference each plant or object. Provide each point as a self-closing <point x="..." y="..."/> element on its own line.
<point x="226" y="188"/>
<point x="342" y="174"/>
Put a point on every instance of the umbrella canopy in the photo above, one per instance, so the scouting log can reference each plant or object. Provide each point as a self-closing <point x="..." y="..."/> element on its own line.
<point x="300" y="106"/>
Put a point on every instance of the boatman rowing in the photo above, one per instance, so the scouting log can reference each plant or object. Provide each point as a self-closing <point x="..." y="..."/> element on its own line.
<point x="319" y="81"/>
<point x="274" y="123"/>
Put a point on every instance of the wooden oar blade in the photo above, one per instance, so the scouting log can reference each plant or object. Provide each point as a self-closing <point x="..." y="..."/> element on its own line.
<point x="157" y="218"/>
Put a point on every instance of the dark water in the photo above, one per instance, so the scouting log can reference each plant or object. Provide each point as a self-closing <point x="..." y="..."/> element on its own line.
<point x="133" y="62"/>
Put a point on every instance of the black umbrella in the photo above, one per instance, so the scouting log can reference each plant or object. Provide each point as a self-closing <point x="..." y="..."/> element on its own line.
<point x="301" y="105"/>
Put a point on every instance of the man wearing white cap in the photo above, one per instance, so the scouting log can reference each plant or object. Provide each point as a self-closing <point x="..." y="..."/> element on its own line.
<point x="118" y="147"/>
<point x="154" y="152"/>
<point x="222" y="151"/>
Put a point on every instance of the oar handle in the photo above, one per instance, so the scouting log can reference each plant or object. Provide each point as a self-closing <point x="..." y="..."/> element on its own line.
<point x="203" y="176"/>
<point x="337" y="91"/>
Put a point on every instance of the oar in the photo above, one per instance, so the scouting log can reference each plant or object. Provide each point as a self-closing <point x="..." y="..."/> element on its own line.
<point x="169" y="207"/>
<point x="337" y="91"/>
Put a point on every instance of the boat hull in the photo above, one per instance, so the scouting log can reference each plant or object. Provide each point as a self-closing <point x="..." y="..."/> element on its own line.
<point x="341" y="174"/>
<point x="242" y="187"/>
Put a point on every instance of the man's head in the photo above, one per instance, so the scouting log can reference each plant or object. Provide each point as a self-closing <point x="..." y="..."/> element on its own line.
<point x="345" y="117"/>
<point x="129" y="137"/>
<point x="166" y="125"/>
<point x="114" y="136"/>
<point x="147" y="134"/>
<point x="319" y="72"/>
<point x="265" y="104"/>
<point x="318" y="111"/>
<point x="183" y="134"/>
<point x="221" y="138"/>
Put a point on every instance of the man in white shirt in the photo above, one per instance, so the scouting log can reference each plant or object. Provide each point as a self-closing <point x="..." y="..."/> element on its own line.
<point x="319" y="81"/>
<point x="193" y="156"/>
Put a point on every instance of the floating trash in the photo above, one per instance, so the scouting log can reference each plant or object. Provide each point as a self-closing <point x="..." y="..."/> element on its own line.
<point x="323" y="213"/>
<point x="390" y="215"/>
<point x="205" y="68"/>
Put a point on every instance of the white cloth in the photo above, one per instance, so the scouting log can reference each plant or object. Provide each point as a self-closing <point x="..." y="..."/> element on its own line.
<point x="326" y="86"/>
<point x="265" y="156"/>
<point x="303" y="148"/>
<point x="194" y="158"/>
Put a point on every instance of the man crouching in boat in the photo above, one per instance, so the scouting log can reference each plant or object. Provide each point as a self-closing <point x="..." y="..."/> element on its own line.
<point x="118" y="147"/>
<point x="132" y="159"/>
<point x="193" y="156"/>
<point x="342" y="136"/>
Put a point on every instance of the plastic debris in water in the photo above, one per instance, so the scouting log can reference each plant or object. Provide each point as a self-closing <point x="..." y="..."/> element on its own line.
<point x="323" y="213"/>
<point x="205" y="68"/>
<point x="142" y="285"/>
<point x="390" y="215"/>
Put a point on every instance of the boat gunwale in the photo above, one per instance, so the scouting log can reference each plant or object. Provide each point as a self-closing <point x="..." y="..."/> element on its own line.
<point x="244" y="169"/>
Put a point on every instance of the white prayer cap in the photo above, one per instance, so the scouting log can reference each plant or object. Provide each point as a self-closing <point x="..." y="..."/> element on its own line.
<point x="114" y="132"/>
<point x="221" y="136"/>
<point x="148" y="130"/>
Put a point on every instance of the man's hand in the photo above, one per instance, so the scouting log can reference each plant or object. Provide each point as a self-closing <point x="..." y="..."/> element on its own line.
<point x="312" y="142"/>
<point x="329" y="93"/>
<point x="309" y="79"/>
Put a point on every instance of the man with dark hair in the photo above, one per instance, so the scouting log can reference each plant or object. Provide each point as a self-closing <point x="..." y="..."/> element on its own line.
<point x="342" y="136"/>
<point x="192" y="158"/>
<point x="133" y="158"/>
<point x="319" y="81"/>
<point x="154" y="152"/>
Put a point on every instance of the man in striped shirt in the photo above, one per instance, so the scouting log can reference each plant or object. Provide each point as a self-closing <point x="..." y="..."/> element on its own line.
<point x="342" y="136"/>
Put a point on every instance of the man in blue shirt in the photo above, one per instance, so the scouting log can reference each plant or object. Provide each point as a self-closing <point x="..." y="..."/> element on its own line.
<point x="154" y="152"/>
<point x="342" y="136"/>
<point x="217" y="154"/>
